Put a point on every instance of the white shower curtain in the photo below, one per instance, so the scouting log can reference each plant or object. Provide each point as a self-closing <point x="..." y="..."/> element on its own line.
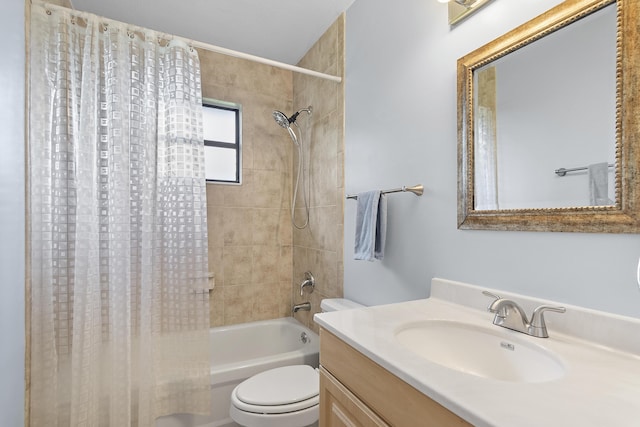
<point x="118" y="235"/>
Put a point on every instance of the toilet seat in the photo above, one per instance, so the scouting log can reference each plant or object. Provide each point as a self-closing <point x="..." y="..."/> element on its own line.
<point x="280" y="397"/>
<point x="276" y="391"/>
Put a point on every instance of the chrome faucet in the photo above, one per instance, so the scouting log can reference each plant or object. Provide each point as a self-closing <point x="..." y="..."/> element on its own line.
<point x="510" y="315"/>
<point x="309" y="281"/>
<point x="305" y="306"/>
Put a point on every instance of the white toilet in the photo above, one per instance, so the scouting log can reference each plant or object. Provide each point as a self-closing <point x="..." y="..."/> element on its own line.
<point x="282" y="397"/>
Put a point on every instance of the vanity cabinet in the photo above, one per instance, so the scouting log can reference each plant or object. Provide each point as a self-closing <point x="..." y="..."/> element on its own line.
<point x="341" y="408"/>
<point x="355" y="391"/>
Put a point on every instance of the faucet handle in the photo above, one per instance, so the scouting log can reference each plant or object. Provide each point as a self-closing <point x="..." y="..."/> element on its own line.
<point x="309" y="281"/>
<point x="538" y="327"/>
<point x="495" y="298"/>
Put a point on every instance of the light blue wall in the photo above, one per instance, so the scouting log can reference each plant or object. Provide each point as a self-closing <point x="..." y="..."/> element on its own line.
<point x="12" y="214"/>
<point x="401" y="130"/>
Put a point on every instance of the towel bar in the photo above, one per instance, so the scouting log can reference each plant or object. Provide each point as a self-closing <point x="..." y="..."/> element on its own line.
<point x="563" y="171"/>
<point x="416" y="189"/>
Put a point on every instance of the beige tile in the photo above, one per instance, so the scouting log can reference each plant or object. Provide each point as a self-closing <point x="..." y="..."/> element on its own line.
<point x="215" y="196"/>
<point x="324" y="51"/>
<point x="285" y="299"/>
<point x="324" y="266"/>
<point x="340" y="169"/>
<point x="302" y="237"/>
<point x="272" y="153"/>
<point x="269" y="189"/>
<point x="266" y="226"/>
<point x="341" y="199"/>
<point x="301" y="263"/>
<point x="216" y="265"/>
<point x="247" y="151"/>
<point x="239" y="303"/>
<point x="216" y="307"/>
<point x="340" y="240"/>
<point x="265" y="264"/>
<point x="323" y="228"/>
<point x="323" y="184"/>
<point x="240" y="195"/>
<point x="340" y="284"/>
<point x="269" y="302"/>
<point x="315" y="300"/>
<point x="259" y="78"/>
<point x="215" y="226"/>
<point x="285" y="228"/>
<point x="285" y="264"/>
<point x="238" y="265"/>
<point x="238" y="228"/>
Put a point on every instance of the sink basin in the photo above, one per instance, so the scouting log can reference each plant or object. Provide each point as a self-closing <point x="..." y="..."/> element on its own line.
<point x="487" y="352"/>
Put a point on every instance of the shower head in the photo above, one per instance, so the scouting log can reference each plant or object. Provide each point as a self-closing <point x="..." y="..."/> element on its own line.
<point x="285" y="121"/>
<point x="281" y="119"/>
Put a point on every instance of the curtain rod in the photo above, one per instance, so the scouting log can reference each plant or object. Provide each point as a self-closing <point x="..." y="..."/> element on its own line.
<point x="207" y="46"/>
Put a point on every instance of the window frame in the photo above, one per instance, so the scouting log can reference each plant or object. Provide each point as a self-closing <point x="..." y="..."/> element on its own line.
<point x="237" y="146"/>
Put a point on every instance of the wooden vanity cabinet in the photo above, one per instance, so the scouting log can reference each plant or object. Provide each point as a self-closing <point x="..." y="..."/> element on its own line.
<point x="355" y="391"/>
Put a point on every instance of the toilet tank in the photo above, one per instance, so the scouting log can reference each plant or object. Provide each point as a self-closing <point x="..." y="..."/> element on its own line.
<point x="335" y="304"/>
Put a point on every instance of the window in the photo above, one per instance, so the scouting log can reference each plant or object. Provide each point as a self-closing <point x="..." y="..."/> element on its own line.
<point x="221" y="123"/>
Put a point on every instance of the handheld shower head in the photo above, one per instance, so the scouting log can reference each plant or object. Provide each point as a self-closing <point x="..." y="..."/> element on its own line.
<point x="281" y="119"/>
<point x="285" y="121"/>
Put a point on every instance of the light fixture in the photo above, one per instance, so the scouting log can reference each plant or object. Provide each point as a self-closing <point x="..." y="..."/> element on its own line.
<point x="467" y="3"/>
<point x="460" y="9"/>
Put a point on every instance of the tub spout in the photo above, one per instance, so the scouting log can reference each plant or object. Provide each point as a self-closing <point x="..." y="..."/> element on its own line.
<point x="305" y="306"/>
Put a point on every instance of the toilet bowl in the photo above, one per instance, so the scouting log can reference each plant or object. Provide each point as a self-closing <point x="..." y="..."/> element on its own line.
<point x="282" y="397"/>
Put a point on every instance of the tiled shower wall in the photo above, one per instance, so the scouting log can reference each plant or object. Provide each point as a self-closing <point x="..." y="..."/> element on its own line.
<point x="257" y="258"/>
<point x="250" y="238"/>
<point x="319" y="248"/>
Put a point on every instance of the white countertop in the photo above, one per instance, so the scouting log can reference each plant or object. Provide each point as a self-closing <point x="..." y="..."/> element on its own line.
<point x="601" y="353"/>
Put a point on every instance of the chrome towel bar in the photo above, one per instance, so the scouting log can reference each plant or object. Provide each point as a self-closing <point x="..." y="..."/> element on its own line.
<point x="563" y="171"/>
<point x="416" y="189"/>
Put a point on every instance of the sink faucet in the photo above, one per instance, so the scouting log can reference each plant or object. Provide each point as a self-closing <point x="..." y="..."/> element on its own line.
<point x="305" y="306"/>
<point x="510" y="315"/>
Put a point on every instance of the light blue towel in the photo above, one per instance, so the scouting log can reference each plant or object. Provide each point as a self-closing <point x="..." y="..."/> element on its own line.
<point x="599" y="184"/>
<point x="371" y="226"/>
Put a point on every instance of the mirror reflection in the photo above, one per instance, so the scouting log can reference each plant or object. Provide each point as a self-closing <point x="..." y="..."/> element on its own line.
<point x="545" y="121"/>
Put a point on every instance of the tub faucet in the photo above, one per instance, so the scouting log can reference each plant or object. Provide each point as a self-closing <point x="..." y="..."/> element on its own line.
<point x="309" y="281"/>
<point x="510" y="315"/>
<point x="305" y="306"/>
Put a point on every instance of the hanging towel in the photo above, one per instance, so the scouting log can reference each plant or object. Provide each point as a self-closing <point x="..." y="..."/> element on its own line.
<point x="599" y="184"/>
<point x="371" y="226"/>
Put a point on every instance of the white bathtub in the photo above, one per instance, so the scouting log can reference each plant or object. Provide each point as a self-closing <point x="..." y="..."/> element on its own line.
<point x="241" y="351"/>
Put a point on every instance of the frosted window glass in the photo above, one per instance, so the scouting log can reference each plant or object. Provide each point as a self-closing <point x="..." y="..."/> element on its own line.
<point x="220" y="163"/>
<point x="219" y="124"/>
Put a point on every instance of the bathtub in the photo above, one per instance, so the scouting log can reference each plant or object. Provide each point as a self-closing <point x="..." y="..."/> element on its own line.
<point x="241" y="351"/>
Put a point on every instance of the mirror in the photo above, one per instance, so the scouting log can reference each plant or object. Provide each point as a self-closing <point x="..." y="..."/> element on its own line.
<point x="547" y="134"/>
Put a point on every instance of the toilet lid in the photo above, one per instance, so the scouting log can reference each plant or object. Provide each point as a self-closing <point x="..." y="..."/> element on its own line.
<point x="280" y="386"/>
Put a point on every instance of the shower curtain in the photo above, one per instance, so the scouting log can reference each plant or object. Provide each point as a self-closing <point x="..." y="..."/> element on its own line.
<point x="117" y="235"/>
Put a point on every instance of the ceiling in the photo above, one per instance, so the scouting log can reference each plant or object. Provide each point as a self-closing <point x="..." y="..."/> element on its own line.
<point x="281" y="30"/>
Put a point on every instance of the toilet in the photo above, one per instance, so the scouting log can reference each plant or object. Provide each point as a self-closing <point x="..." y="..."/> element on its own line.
<point x="282" y="397"/>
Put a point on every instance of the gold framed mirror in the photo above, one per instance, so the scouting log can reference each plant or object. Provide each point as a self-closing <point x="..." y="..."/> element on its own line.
<point x="497" y="124"/>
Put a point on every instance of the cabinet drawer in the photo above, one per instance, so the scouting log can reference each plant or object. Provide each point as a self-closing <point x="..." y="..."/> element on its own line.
<point x="341" y="408"/>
